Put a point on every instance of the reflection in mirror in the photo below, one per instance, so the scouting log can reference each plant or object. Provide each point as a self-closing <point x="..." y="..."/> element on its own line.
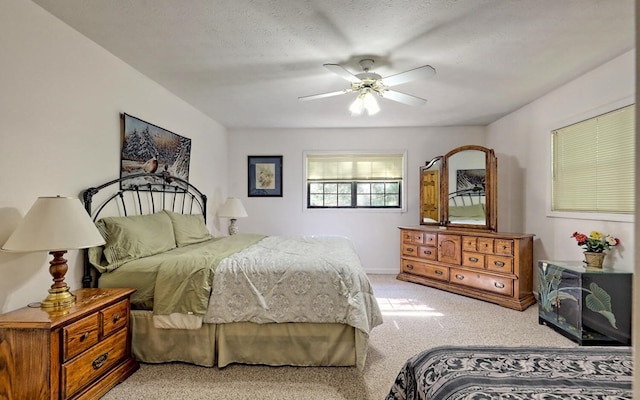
<point x="467" y="188"/>
<point x="459" y="189"/>
<point x="430" y="191"/>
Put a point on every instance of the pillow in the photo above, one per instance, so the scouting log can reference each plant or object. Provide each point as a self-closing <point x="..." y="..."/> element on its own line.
<point x="188" y="228"/>
<point x="472" y="211"/>
<point x="137" y="236"/>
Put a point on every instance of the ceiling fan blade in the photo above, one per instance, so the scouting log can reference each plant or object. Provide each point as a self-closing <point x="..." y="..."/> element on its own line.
<point x="323" y="95"/>
<point x="338" y="70"/>
<point x="403" y="98"/>
<point x="423" y="72"/>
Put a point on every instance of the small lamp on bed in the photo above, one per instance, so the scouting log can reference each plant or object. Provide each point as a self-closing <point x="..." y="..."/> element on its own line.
<point x="232" y="209"/>
<point x="55" y="224"/>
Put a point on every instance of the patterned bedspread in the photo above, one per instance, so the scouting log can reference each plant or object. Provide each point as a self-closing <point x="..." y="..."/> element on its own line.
<point x="294" y="279"/>
<point x="454" y="373"/>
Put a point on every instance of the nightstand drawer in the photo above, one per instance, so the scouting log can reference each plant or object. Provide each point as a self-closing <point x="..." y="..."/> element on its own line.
<point x="80" y="335"/>
<point x="93" y="363"/>
<point x="115" y="317"/>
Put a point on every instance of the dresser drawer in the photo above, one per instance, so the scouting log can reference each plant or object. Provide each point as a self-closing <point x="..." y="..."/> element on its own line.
<point x="475" y="260"/>
<point x="422" y="269"/>
<point x="115" y="317"/>
<point x="93" y="363"/>
<point x="406" y="236"/>
<point x="430" y="239"/>
<point x="427" y="252"/>
<point x="504" y="247"/>
<point x="469" y="243"/>
<point x="482" y="281"/>
<point x="409" y="250"/>
<point x="485" y="245"/>
<point x="417" y="237"/>
<point x="80" y="335"/>
<point x="500" y="263"/>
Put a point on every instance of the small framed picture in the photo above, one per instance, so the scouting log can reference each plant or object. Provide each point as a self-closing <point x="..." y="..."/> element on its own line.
<point x="265" y="176"/>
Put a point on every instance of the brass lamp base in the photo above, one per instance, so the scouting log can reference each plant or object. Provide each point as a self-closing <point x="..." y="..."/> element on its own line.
<point x="59" y="295"/>
<point x="58" y="299"/>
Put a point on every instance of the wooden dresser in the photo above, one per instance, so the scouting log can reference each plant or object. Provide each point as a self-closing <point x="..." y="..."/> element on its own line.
<point x="490" y="266"/>
<point x="80" y="354"/>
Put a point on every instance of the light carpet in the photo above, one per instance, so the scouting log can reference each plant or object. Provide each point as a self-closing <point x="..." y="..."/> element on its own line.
<point x="416" y="318"/>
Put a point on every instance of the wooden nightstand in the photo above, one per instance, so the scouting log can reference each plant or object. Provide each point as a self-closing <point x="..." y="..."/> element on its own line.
<point x="79" y="355"/>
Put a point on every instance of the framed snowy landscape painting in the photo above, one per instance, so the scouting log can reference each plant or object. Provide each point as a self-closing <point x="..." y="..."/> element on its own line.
<point x="149" y="148"/>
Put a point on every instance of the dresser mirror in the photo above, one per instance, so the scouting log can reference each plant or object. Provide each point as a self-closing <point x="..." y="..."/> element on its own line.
<point x="459" y="189"/>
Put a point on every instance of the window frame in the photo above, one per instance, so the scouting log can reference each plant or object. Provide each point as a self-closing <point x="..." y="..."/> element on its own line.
<point x="582" y="215"/>
<point x="403" y="182"/>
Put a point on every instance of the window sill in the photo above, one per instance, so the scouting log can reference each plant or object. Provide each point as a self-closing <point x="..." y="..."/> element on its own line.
<point x="592" y="216"/>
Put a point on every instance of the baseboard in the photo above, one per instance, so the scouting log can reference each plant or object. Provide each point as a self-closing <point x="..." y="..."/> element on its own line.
<point x="382" y="271"/>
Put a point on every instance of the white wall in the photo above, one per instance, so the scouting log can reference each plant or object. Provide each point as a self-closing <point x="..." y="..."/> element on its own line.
<point x="373" y="232"/>
<point x="60" y="101"/>
<point x="522" y="144"/>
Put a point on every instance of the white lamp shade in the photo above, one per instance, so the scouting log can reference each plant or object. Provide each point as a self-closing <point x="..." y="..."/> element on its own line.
<point x="54" y="224"/>
<point x="232" y="208"/>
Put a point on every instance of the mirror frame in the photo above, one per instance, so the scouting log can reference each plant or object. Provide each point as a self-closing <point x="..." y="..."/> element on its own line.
<point x="491" y="190"/>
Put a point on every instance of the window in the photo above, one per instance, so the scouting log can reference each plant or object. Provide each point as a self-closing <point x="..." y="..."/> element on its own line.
<point x="354" y="180"/>
<point x="593" y="164"/>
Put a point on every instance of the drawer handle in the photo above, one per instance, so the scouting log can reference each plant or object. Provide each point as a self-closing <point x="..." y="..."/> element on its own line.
<point x="505" y="247"/>
<point x="438" y="272"/>
<point x="116" y="318"/>
<point x="498" y="263"/>
<point x="84" y="336"/>
<point x="499" y="285"/>
<point x="473" y="259"/>
<point x="409" y="250"/>
<point x="427" y="252"/>
<point x="409" y="266"/>
<point x="460" y="277"/>
<point x="99" y="362"/>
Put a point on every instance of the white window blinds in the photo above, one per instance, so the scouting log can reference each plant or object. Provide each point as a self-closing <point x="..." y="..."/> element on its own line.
<point x="593" y="164"/>
<point x="354" y="167"/>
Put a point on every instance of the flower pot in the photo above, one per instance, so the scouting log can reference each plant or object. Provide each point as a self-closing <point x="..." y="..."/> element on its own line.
<point x="593" y="260"/>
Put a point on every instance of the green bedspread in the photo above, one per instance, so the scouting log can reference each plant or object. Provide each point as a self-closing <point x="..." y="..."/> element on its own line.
<point x="179" y="280"/>
<point x="252" y="278"/>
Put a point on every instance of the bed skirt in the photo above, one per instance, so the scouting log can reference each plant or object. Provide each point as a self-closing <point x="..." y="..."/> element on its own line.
<point x="297" y="344"/>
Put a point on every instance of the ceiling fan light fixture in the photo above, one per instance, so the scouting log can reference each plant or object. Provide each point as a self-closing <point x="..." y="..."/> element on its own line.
<point x="370" y="104"/>
<point x="357" y="106"/>
<point x="364" y="102"/>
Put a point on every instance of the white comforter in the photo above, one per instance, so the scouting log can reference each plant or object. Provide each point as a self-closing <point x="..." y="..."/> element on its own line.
<point x="304" y="279"/>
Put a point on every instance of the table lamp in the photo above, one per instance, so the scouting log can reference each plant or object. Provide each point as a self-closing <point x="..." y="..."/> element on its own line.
<point x="55" y="224"/>
<point x="233" y="209"/>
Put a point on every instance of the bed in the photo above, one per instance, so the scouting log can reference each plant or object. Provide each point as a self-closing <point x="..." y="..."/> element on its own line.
<point x="467" y="206"/>
<point x="452" y="373"/>
<point x="215" y="300"/>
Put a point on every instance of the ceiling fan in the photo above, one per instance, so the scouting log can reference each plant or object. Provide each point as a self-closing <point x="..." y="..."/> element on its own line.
<point x="366" y="84"/>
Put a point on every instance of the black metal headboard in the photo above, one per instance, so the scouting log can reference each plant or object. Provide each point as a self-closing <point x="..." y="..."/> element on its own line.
<point x="140" y="194"/>
<point x="466" y="196"/>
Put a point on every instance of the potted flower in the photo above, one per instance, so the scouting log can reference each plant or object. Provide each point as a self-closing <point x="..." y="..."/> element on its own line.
<point x="594" y="246"/>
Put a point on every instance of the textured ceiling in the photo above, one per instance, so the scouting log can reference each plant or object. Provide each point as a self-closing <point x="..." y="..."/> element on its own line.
<point x="246" y="62"/>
